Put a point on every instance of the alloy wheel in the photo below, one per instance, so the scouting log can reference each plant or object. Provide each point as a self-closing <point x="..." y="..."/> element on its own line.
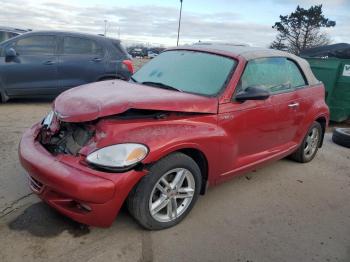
<point x="172" y="195"/>
<point x="311" y="142"/>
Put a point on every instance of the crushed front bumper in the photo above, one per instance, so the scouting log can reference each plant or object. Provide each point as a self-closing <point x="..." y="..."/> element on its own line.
<point x="74" y="189"/>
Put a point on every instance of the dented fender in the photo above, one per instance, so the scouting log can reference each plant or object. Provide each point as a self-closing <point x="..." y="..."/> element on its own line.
<point x="162" y="137"/>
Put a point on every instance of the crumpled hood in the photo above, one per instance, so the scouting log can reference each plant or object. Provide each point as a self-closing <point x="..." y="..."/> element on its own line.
<point x="92" y="101"/>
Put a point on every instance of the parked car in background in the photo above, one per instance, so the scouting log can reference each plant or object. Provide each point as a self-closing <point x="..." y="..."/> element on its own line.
<point x="151" y="54"/>
<point x="190" y="118"/>
<point x="141" y="51"/>
<point x="44" y="64"/>
<point x="137" y="52"/>
<point x="9" y="32"/>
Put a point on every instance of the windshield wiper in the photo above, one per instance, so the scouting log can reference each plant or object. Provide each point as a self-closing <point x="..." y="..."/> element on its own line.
<point x="133" y="79"/>
<point x="161" y="85"/>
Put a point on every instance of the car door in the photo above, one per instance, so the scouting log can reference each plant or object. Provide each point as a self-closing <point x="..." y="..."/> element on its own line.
<point x="81" y="61"/>
<point x="252" y="127"/>
<point x="291" y="105"/>
<point x="33" y="72"/>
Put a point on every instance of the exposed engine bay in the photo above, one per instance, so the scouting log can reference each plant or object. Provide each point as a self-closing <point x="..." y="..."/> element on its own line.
<point x="68" y="139"/>
<point x="60" y="137"/>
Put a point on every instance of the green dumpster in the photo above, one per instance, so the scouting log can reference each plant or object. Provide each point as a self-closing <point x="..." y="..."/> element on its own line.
<point x="335" y="74"/>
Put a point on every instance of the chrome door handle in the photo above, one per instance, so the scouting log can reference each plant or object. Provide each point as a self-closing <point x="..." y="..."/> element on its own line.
<point x="293" y="105"/>
<point x="49" y="62"/>
<point x="96" y="59"/>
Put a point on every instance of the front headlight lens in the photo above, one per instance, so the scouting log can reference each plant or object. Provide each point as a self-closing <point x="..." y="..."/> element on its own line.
<point x="118" y="156"/>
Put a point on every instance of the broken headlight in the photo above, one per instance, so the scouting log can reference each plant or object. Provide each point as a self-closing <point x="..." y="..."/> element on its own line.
<point x="120" y="156"/>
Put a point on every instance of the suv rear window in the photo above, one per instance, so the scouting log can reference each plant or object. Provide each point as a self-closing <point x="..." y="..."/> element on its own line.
<point x="81" y="46"/>
<point x="119" y="48"/>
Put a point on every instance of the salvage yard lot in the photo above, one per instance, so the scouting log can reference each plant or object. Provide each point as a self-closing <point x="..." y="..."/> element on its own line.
<point x="283" y="212"/>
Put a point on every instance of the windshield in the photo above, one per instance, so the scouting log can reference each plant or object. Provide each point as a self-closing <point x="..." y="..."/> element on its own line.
<point x="189" y="71"/>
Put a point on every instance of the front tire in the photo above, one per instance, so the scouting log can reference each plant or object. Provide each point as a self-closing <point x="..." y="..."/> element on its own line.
<point x="167" y="194"/>
<point x="311" y="142"/>
<point x="3" y="97"/>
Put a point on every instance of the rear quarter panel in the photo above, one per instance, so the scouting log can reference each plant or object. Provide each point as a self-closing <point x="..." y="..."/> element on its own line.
<point x="313" y="108"/>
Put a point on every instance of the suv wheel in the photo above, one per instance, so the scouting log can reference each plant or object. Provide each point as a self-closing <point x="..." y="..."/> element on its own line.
<point x="311" y="142"/>
<point x="167" y="194"/>
<point x="3" y="97"/>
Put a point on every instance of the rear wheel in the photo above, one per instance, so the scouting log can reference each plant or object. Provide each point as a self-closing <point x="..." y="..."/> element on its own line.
<point x="167" y="194"/>
<point x="311" y="142"/>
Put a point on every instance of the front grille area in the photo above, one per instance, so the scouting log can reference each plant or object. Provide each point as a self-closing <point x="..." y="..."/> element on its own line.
<point x="68" y="139"/>
<point x="35" y="185"/>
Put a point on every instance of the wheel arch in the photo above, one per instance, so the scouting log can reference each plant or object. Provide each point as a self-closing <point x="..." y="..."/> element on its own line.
<point x="106" y="77"/>
<point x="322" y="120"/>
<point x="197" y="155"/>
<point x="202" y="161"/>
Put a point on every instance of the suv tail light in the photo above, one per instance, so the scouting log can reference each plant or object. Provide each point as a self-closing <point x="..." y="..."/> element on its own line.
<point x="129" y="66"/>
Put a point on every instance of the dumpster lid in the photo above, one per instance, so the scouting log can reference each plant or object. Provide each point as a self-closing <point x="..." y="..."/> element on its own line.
<point x="341" y="50"/>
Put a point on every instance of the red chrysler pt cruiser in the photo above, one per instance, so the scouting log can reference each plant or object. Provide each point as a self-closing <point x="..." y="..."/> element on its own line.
<point x="190" y="118"/>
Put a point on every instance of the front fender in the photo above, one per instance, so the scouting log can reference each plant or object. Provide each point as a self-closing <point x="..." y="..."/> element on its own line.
<point x="163" y="137"/>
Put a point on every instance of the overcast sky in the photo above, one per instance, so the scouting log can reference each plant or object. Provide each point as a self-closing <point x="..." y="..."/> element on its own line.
<point x="155" y="21"/>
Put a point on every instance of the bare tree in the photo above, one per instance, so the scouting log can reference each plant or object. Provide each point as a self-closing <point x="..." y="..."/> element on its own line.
<point x="279" y="43"/>
<point x="301" y="30"/>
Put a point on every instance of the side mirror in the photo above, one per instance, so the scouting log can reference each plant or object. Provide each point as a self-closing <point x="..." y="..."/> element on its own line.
<point x="10" y="53"/>
<point x="252" y="93"/>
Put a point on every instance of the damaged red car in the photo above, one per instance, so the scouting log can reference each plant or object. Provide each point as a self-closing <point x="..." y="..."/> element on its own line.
<point x="190" y="118"/>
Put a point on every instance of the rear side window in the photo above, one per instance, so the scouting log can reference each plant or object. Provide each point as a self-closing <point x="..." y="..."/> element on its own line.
<point x="277" y="75"/>
<point x="295" y="76"/>
<point x="36" y="45"/>
<point x="81" y="46"/>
